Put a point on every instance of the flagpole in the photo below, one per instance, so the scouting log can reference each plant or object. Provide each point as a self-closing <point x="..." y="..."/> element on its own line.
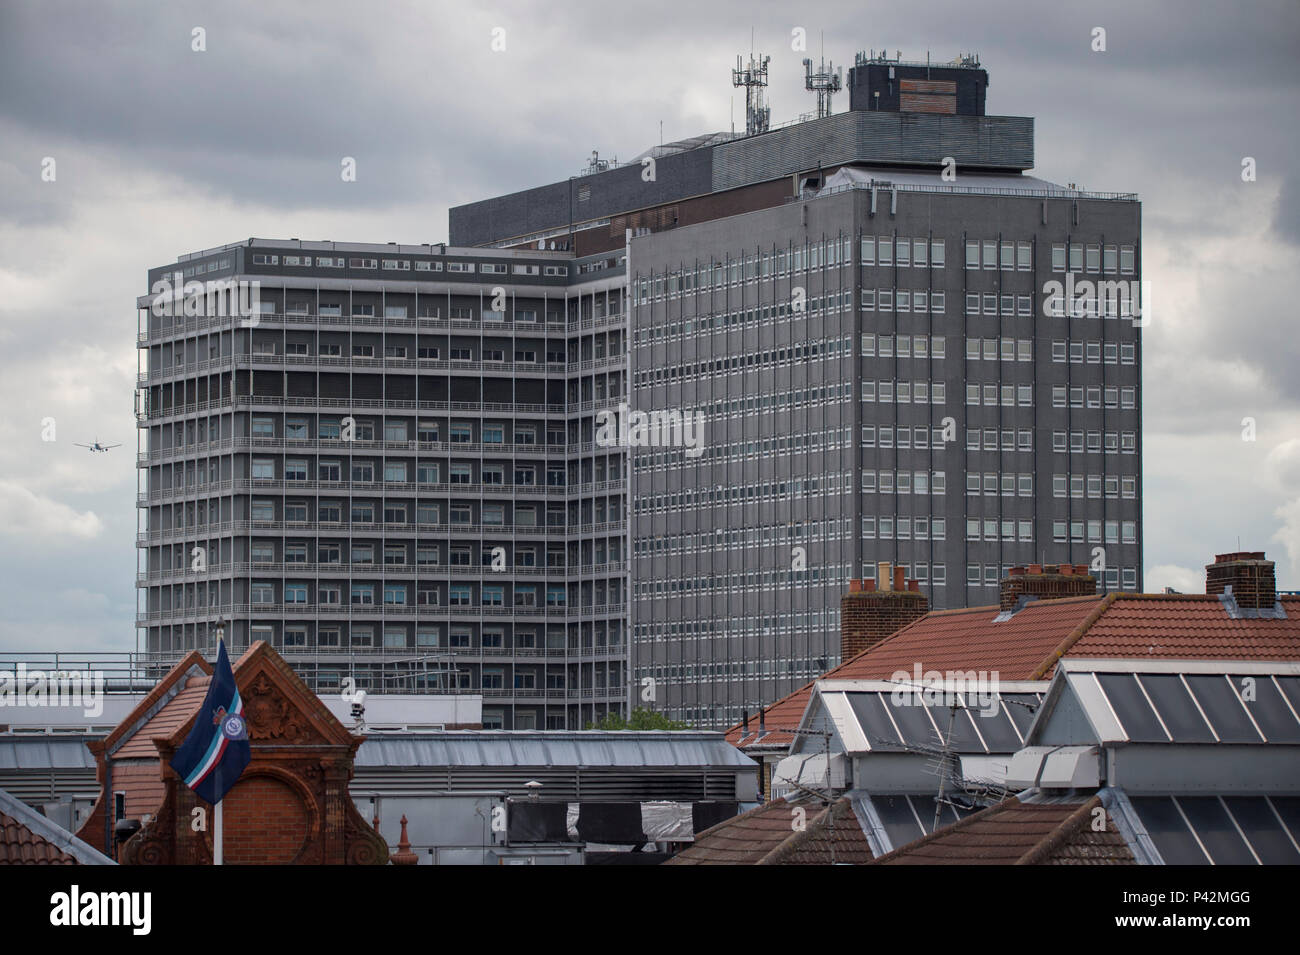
<point x="216" y="834"/>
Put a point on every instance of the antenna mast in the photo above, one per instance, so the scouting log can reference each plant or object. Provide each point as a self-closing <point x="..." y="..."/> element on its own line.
<point x="826" y="82"/>
<point x="753" y="76"/>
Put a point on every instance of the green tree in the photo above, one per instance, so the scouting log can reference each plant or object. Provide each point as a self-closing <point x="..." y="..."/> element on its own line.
<point x="642" y="719"/>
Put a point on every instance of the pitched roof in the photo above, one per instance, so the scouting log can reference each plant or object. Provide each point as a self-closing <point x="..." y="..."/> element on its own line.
<point x="1189" y="627"/>
<point x="175" y="712"/>
<point x="1028" y="644"/>
<point x="29" y="838"/>
<point x="767" y="835"/>
<point x="943" y="640"/>
<point x="1016" y="833"/>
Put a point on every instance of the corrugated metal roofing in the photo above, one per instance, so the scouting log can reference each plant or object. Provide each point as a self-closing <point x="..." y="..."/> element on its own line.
<point x="467" y="748"/>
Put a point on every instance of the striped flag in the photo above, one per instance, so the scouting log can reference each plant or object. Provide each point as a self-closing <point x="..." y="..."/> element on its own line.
<point x="216" y="750"/>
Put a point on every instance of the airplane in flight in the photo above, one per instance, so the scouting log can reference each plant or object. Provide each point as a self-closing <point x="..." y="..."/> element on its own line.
<point x="96" y="446"/>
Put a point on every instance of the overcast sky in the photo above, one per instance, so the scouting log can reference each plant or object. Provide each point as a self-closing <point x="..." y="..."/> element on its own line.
<point x="160" y="150"/>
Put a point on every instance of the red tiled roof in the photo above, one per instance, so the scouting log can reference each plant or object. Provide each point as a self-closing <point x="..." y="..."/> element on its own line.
<point x="965" y="639"/>
<point x="174" y="713"/>
<point x="768" y="835"/>
<point x="1027" y="646"/>
<point x="20" y="846"/>
<point x="28" y="838"/>
<point x="1016" y="833"/>
<point x="1193" y="627"/>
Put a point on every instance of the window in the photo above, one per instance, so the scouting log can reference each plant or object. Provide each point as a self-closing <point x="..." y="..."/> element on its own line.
<point x="363" y="595"/>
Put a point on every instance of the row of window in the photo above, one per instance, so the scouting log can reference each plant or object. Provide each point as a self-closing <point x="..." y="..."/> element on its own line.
<point x="990" y="575"/>
<point x="262" y="593"/>
<point x="883" y="436"/>
<point x="745" y="268"/>
<point x="704" y="584"/>
<point x="1007" y="255"/>
<point x="1094" y="353"/>
<point x="404" y="265"/>
<point x="399" y="430"/>
<point x="1112" y="396"/>
<point x="721" y="538"/>
<point x="830" y="302"/>
<point x="1005" y="395"/>
<point x="792" y="489"/>
<point x="363" y="512"/>
<point x="805" y="442"/>
<point x="211" y="266"/>
<point x="1094" y="485"/>
<point x="903" y="346"/>
<point x="399" y="472"/>
<point x="740" y="626"/>
<point x="1097" y="441"/>
<point x="1097" y="532"/>
<point x="426" y="555"/>
<point x="775" y="401"/>
<point x="905" y="392"/>
<point x="902" y="300"/>
<point x="904" y="528"/>
<point x="903" y="252"/>
<point x="824" y="350"/>
<point x="904" y="482"/>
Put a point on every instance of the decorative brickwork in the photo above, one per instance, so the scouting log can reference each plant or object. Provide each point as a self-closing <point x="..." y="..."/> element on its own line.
<point x="290" y="806"/>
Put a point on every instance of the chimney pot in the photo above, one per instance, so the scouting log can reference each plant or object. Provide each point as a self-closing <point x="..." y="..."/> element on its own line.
<point x="1045" y="582"/>
<point x="899" y="582"/>
<point x="869" y="586"/>
<point x="883" y="574"/>
<point x="855" y="586"/>
<point x="914" y="586"/>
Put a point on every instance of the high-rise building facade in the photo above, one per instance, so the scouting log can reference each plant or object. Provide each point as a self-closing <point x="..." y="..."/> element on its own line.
<point x="866" y="337"/>
<point x="382" y="463"/>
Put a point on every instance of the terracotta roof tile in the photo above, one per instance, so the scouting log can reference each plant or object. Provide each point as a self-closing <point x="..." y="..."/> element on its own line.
<point x="27" y="837"/>
<point x="20" y="846"/>
<point x="966" y="639"/>
<point x="766" y="835"/>
<point x="1027" y="646"/>
<point x="165" y="722"/>
<point x="1188" y="627"/>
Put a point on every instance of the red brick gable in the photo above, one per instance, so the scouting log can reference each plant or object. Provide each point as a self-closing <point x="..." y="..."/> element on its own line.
<point x="291" y="805"/>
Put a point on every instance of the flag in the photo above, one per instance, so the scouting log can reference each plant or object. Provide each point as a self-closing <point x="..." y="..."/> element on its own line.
<point x="216" y="751"/>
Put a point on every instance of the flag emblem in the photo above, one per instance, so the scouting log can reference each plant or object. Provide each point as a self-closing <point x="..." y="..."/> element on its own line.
<point x="217" y="750"/>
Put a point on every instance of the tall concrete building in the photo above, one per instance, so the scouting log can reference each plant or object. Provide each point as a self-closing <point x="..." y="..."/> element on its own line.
<point x="900" y="346"/>
<point x="382" y="463"/>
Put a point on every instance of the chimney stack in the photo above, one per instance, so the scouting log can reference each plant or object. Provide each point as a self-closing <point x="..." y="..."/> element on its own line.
<point x="869" y="613"/>
<point x="1251" y="577"/>
<point x="1046" y="582"/>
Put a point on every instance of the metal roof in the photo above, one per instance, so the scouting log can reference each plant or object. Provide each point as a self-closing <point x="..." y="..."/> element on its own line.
<point x="653" y="749"/>
<point x="44" y="752"/>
